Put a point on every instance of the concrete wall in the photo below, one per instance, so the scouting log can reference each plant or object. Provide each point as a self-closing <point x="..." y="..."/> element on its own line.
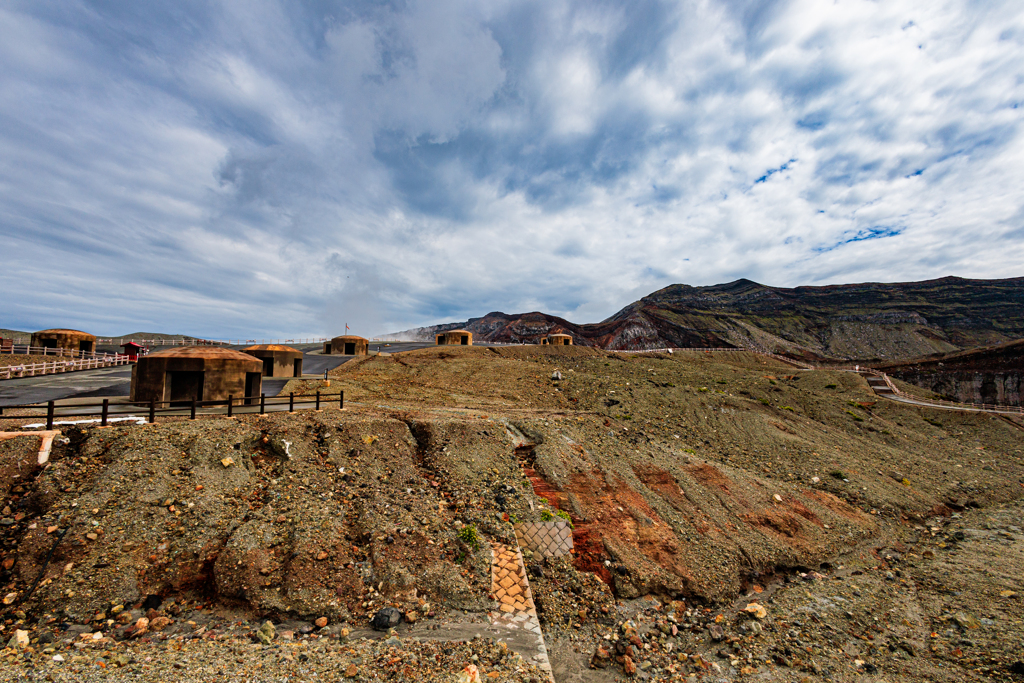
<point x="455" y="338"/>
<point x="152" y="380"/>
<point x="340" y="346"/>
<point x="281" y="363"/>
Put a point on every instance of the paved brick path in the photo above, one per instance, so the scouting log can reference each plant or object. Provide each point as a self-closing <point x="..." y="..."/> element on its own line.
<point x="547" y="539"/>
<point x="516" y="610"/>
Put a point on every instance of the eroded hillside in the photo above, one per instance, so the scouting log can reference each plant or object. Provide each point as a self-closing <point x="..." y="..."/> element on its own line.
<point x="687" y="476"/>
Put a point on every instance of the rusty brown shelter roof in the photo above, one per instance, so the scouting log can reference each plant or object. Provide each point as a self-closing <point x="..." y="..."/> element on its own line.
<point x="205" y="352"/>
<point x="63" y="331"/>
<point x="271" y="347"/>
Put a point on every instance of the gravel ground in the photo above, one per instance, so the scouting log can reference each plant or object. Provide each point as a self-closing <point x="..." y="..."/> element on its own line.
<point x="187" y="651"/>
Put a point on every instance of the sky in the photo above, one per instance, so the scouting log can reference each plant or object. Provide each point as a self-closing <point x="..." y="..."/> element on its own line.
<point x="268" y="169"/>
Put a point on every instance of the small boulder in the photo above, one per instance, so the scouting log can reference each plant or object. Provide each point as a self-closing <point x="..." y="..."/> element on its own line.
<point x="389" y="617"/>
<point x="966" y="621"/>
<point x="266" y="633"/>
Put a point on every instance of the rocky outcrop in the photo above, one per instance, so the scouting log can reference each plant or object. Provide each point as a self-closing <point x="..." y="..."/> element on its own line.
<point x="988" y="375"/>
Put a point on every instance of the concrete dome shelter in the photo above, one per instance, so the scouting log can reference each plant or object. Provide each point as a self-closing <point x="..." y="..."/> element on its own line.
<point x="68" y="340"/>
<point x="455" y="338"/>
<point x="278" y="360"/>
<point x="203" y="373"/>
<point x="557" y="340"/>
<point x="347" y="345"/>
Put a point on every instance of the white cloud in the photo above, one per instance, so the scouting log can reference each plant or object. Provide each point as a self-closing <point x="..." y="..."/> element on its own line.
<point x="265" y="169"/>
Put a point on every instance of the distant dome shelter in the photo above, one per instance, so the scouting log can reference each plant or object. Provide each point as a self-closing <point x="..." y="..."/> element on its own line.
<point x="455" y="338"/>
<point x="347" y="345"/>
<point x="68" y="340"/>
<point x="278" y="360"/>
<point x="202" y="373"/>
<point x="557" y="340"/>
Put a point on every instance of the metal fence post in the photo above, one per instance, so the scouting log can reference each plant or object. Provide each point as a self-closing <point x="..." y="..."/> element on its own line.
<point x="341" y="400"/>
<point x="103" y="415"/>
<point x="152" y="411"/>
<point x="193" y="415"/>
<point x="231" y="400"/>
<point x="49" y="415"/>
<point x="263" y="403"/>
<point x="318" y="400"/>
<point x="291" y="401"/>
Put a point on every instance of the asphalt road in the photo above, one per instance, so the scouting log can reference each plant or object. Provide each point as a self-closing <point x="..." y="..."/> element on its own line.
<point x="106" y="382"/>
<point x="83" y="383"/>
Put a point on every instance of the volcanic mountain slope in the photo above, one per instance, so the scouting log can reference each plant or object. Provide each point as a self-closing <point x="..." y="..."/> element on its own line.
<point x="858" y="321"/>
<point x="693" y="475"/>
<point x="991" y="374"/>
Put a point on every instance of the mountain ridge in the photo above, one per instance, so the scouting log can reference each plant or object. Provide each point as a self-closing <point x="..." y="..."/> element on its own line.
<point x="871" y="320"/>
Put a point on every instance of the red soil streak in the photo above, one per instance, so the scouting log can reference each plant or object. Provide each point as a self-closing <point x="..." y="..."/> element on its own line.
<point x="800" y="509"/>
<point x="709" y="476"/>
<point x="773" y="522"/>
<point x="588" y="548"/>
<point x="837" y="506"/>
<point x="625" y="518"/>
<point x="588" y="551"/>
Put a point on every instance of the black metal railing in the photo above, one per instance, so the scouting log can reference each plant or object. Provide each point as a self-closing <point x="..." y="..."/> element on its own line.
<point x="245" y="404"/>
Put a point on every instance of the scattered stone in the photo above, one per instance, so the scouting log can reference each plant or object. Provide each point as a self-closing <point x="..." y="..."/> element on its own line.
<point x="966" y="621"/>
<point x="321" y="622"/>
<point x="159" y="623"/>
<point x="19" y="639"/>
<point x="141" y="626"/>
<point x="469" y="675"/>
<point x="757" y="610"/>
<point x="628" y="666"/>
